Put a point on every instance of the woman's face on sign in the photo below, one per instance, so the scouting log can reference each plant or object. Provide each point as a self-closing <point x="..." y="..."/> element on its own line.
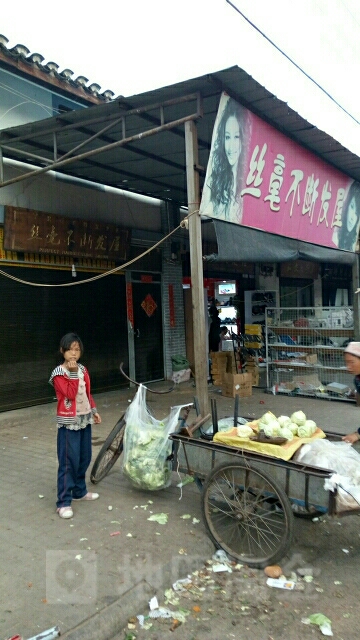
<point x="352" y="214"/>
<point x="232" y="140"/>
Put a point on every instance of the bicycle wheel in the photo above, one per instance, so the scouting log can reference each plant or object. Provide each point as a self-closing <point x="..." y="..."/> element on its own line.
<point x="109" y="452"/>
<point x="247" y="514"/>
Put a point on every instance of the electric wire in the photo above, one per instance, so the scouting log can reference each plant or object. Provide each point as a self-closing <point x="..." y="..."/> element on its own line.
<point x="291" y="60"/>
<point x="183" y="225"/>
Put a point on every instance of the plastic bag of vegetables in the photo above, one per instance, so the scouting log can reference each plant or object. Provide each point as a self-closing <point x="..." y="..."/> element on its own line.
<point x="147" y="445"/>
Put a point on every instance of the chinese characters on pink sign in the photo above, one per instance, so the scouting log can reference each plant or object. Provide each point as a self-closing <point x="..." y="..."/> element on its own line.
<point x="259" y="178"/>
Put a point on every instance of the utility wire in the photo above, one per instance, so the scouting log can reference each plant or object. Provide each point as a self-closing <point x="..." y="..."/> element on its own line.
<point x="183" y="225"/>
<point x="291" y="60"/>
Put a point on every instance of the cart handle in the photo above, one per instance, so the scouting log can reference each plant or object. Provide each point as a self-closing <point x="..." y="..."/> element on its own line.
<point x="138" y="383"/>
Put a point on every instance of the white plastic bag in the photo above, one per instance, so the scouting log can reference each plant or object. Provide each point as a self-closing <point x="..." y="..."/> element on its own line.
<point x="348" y="495"/>
<point x="336" y="456"/>
<point x="344" y="460"/>
<point x="147" y="445"/>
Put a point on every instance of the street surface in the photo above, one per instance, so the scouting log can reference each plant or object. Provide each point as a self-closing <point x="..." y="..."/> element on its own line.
<point x="61" y="573"/>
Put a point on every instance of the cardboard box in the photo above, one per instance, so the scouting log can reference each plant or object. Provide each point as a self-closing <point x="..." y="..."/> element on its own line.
<point x="218" y="356"/>
<point x="218" y="363"/>
<point x="255" y="375"/>
<point x="308" y="358"/>
<point x="227" y="345"/>
<point x="237" y="384"/>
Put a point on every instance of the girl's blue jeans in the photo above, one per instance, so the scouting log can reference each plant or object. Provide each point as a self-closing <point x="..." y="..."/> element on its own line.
<point x="74" y="455"/>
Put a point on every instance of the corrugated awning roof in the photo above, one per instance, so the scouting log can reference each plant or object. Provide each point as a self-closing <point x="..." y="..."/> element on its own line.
<point x="155" y="164"/>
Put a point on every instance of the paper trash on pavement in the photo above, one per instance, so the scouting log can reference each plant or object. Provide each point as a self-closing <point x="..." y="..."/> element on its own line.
<point x="280" y="583"/>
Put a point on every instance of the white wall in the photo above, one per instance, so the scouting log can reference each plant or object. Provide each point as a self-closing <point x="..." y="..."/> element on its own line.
<point x="54" y="194"/>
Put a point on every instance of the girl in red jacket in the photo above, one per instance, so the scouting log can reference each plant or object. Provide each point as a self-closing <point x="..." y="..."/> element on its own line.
<point x="76" y="412"/>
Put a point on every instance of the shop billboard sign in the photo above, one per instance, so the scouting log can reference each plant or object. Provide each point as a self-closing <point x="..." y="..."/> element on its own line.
<point x="259" y="178"/>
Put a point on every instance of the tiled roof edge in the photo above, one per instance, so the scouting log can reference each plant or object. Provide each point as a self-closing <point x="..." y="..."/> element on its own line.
<point x="32" y="65"/>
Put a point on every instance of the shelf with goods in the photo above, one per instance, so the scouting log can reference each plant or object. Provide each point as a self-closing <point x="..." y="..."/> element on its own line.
<point x="227" y="315"/>
<point x="224" y="293"/>
<point x="256" y="303"/>
<point x="304" y="351"/>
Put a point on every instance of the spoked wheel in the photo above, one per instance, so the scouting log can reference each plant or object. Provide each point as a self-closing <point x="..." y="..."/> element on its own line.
<point x="247" y="514"/>
<point x="109" y="452"/>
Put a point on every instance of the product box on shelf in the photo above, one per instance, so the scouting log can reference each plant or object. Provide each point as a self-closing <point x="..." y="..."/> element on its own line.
<point x="237" y="384"/>
<point x="307" y="358"/>
<point x="253" y="330"/>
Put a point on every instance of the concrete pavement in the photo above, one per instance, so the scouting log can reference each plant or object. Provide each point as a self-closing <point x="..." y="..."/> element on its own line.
<point x="75" y="573"/>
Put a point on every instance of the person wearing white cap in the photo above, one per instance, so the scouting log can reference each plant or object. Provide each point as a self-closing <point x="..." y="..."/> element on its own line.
<point x="352" y="361"/>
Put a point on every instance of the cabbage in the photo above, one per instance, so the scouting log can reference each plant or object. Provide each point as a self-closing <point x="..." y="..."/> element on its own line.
<point x="244" y="431"/>
<point x="271" y="429"/>
<point x="146" y="464"/>
<point x="293" y="428"/>
<point x="267" y="417"/>
<point x="262" y="426"/>
<point x="298" y="417"/>
<point x="283" y="421"/>
<point x="275" y="427"/>
<point x="305" y="431"/>
<point x="285" y="432"/>
<point x="268" y="431"/>
<point x="311" y="425"/>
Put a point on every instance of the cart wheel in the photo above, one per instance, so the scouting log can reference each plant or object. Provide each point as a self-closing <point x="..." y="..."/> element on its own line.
<point x="247" y="514"/>
<point x="109" y="452"/>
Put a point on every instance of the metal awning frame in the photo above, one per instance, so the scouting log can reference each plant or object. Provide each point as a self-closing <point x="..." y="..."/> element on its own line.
<point x="68" y="158"/>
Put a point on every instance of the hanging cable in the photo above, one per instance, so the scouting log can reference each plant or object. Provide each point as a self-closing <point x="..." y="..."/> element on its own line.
<point x="183" y="225"/>
<point x="291" y="60"/>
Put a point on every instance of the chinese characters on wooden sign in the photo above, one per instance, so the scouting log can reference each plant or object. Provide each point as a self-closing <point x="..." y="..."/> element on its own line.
<point x="39" y="232"/>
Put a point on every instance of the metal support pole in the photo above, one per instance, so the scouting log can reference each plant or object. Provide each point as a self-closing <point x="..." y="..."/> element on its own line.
<point x="1" y="166"/>
<point x="197" y="276"/>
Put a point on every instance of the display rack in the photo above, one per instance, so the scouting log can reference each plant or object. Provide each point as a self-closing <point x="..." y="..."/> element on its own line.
<point x="304" y="351"/>
<point x="256" y="303"/>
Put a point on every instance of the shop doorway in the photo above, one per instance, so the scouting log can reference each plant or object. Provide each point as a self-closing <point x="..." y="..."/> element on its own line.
<point x="147" y="334"/>
<point x="33" y="319"/>
<point x="296" y="292"/>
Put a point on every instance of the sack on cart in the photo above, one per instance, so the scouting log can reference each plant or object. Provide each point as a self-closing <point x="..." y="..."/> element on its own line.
<point x="147" y="446"/>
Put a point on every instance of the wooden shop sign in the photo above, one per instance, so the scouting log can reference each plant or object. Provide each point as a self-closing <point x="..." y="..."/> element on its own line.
<point x="39" y="232"/>
<point x="299" y="269"/>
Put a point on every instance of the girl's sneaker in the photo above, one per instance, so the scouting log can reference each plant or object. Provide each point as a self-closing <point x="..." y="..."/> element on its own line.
<point x="88" y="496"/>
<point x="65" y="512"/>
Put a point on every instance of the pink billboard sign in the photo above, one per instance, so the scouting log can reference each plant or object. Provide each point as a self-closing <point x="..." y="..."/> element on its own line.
<point x="259" y="178"/>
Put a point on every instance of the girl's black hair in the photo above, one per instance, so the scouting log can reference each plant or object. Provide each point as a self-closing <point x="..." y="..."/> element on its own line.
<point x="222" y="176"/>
<point x="348" y="238"/>
<point x="67" y="340"/>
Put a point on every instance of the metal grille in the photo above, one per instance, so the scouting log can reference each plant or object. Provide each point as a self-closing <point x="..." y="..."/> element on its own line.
<point x="304" y="351"/>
